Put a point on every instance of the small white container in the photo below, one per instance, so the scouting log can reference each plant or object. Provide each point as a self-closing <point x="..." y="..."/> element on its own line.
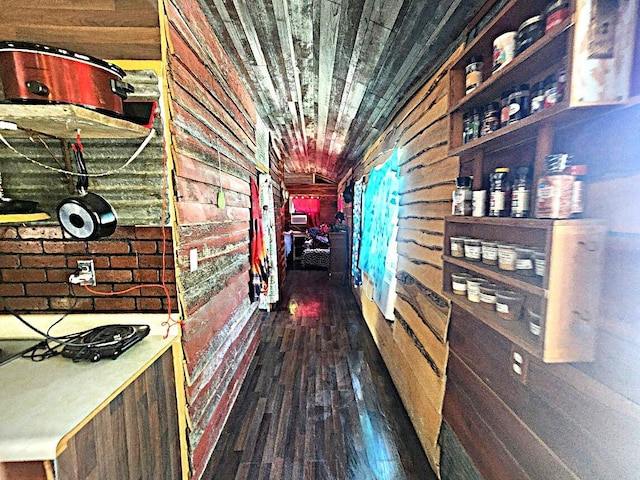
<point x="472" y="249"/>
<point x="534" y="321"/>
<point x="473" y="289"/>
<point x="459" y="282"/>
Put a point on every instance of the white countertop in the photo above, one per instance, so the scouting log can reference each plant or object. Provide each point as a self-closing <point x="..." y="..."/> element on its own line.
<point x="42" y="403"/>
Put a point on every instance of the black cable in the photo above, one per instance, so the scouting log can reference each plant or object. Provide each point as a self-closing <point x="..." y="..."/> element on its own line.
<point x="62" y="341"/>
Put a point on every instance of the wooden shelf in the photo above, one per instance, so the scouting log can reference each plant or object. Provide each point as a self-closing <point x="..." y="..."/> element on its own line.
<point x="515" y="330"/>
<point x="532" y="285"/>
<point x="538" y="57"/>
<point x="23" y="217"/>
<point x="62" y="121"/>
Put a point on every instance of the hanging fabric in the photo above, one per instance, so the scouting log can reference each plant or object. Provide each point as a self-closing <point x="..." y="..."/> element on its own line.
<point x="380" y="216"/>
<point x="259" y="259"/>
<point x="310" y="206"/>
<point x="356" y="273"/>
<point x="269" y="231"/>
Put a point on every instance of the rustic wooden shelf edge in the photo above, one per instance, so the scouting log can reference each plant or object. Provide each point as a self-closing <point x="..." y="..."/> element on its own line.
<point x="481" y="269"/>
<point x="23" y="217"/>
<point x="516" y="331"/>
<point x="497" y="24"/>
<point x="63" y="121"/>
<point x="537" y="51"/>
<point x="562" y="116"/>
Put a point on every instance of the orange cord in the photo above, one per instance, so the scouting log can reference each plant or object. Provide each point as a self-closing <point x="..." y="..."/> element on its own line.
<point x="170" y="322"/>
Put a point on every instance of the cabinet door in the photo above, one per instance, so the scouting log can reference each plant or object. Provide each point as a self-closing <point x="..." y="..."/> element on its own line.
<point x="574" y="285"/>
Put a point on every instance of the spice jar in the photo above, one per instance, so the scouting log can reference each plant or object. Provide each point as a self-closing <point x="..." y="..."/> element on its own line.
<point x="475" y="123"/>
<point x="489" y="253"/>
<point x="556" y="12"/>
<point x="534" y="318"/>
<point x="524" y="262"/>
<point x="473" y="289"/>
<point x="520" y="193"/>
<point x="507" y="257"/>
<point x="488" y="295"/>
<point x="530" y="31"/>
<point x="551" y="91"/>
<point x="519" y="103"/>
<point x="577" y="194"/>
<point x="466" y="126"/>
<point x="539" y="263"/>
<point x="459" y="282"/>
<point x="537" y="97"/>
<point x="457" y="246"/>
<point x="504" y="107"/>
<point x="462" y="197"/>
<point x="473" y="72"/>
<point x="472" y="249"/>
<point x="499" y="193"/>
<point x="509" y="304"/>
<point x="491" y="121"/>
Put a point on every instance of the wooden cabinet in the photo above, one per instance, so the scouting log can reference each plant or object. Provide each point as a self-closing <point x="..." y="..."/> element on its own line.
<point x="133" y="435"/>
<point x="598" y="72"/>
<point x="567" y="295"/>
<point x="339" y="261"/>
<point x="64" y="120"/>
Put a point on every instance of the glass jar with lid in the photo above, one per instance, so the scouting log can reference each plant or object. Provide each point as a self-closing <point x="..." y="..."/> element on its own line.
<point x="520" y="193"/>
<point x="500" y="193"/>
<point x="462" y="197"/>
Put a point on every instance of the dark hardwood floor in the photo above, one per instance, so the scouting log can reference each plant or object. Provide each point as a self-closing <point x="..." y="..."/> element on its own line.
<point x="318" y="402"/>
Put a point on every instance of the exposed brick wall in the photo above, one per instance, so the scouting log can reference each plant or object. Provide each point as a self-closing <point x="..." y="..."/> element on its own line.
<point x="35" y="264"/>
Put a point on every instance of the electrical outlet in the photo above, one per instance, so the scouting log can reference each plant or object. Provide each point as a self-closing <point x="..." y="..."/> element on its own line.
<point x="519" y="365"/>
<point x="85" y="275"/>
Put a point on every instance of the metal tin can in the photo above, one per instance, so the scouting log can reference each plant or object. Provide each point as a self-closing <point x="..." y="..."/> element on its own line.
<point x="519" y="103"/>
<point x="556" y="12"/>
<point x="504" y="47"/>
<point x="530" y="31"/>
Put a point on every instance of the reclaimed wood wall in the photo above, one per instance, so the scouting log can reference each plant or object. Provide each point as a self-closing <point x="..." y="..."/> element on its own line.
<point x="414" y="347"/>
<point x="577" y="420"/>
<point x="210" y="112"/>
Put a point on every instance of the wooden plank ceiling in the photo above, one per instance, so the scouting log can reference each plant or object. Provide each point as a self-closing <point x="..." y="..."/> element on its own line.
<point x="328" y="74"/>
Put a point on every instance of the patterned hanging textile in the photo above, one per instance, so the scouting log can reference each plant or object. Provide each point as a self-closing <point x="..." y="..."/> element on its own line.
<point x="269" y="231"/>
<point x="380" y="216"/>
<point x="259" y="259"/>
<point x="356" y="273"/>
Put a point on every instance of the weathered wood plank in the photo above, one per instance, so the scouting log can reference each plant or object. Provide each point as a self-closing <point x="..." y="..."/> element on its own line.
<point x="426" y="311"/>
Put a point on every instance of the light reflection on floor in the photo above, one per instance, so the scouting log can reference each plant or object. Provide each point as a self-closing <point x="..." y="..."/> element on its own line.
<point x="311" y="309"/>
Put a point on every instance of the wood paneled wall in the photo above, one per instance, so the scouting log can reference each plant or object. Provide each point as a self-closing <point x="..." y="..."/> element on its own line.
<point x="559" y="420"/>
<point x="414" y="347"/>
<point x="210" y="112"/>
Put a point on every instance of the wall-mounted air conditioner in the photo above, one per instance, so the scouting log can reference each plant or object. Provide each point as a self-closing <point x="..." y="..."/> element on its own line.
<point x="298" y="219"/>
